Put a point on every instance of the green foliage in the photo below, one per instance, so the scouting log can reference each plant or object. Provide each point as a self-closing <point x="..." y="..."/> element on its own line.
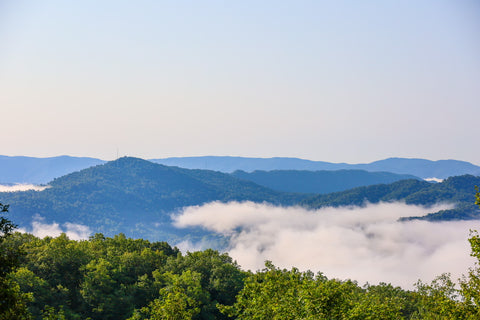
<point x="49" y="313"/>
<point x="123" y="278"/>
<point x="289" y="294"/>
<point x="477" y="196"/>
<point x="470" y="284"/>
<point x="119" y="277"/>
<point x="441" y="300"/>
<point x="181" y="298"/>
<point x="12" y="300"/>
<point x="6" y="226"/>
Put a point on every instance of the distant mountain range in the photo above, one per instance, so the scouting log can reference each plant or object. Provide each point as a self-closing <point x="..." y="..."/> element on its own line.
<point x="318" y="181"/>
<point x="417" y="167"/>
<point x="43" y="170"/>
<point x="137" y="197"/>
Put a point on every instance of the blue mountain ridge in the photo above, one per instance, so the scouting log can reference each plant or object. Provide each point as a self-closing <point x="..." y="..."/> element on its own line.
<point x="138" y="197"/>
<point x="21" y="169"/>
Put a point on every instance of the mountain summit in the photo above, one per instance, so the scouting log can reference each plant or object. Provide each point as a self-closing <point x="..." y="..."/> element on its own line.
<point x="133" y="196"/>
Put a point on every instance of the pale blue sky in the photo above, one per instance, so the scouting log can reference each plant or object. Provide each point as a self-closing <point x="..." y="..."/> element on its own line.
<point x="343" y="81"/>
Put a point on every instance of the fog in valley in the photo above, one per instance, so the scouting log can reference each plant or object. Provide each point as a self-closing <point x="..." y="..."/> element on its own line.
<point x="21" y="187"/>
<point x="366" y="244"/>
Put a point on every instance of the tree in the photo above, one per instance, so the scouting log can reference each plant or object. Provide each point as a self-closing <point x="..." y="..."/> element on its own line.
<point x="12" y="301"/>
<point x="275" y="293"/>
<point x="470" y="285"/>
<point x="441" y="300"/>
<point x="181" y="298"/>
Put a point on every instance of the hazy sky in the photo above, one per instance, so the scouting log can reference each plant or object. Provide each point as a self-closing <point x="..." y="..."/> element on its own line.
<point x="344" y="81"/>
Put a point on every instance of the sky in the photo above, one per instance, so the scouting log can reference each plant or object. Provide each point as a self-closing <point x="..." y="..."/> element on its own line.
<point x="339" y="81"/>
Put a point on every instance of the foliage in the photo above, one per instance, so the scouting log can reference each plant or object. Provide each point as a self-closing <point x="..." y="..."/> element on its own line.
<point x="119" y="277"/>
<point x="123" y="278"/>
<point x="12" y="300"/>
<point x="289" y="294"/>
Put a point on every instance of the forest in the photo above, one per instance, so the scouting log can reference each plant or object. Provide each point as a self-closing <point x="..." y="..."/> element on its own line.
<point x="123" y="278"/>
<point x="150" y="193"/>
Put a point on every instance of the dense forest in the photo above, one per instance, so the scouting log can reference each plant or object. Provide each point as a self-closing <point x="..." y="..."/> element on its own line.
<point x="123" y="278"/>
<point x="137" y="197"/>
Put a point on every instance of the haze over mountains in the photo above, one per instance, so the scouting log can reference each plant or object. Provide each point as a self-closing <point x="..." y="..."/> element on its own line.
<point x="418" y="167"/>
<point x="324" y="181"/>
<point x="138" y="197"/>
<point x="43" y="170"/>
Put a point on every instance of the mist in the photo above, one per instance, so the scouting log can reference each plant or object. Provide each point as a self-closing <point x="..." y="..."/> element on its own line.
<point x="366" y="244"/>
<point x="21" y="187"/>
<point x="72" y="230"/>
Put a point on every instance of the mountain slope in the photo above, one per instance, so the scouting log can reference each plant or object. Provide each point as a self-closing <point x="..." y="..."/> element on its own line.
<point x="133" y="196"/>
<point x="137" y="197"/>
<point x="458" y="190"/>
<point x="318" y="181"/>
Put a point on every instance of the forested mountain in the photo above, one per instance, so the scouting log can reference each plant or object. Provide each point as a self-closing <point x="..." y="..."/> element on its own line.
<point x="417" y="167"/>
<point x="456" y="190"/>
<point x="137" y="197"/>
<point x="41" y="170"/>
<point x="134" y="196"/>
<point x="318" y="181"/>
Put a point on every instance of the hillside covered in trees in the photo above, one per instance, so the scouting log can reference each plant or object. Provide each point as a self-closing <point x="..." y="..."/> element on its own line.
<point x="455" y="190"/>
<point x="121" y="278"/>
<point x="137" y="197"/>
<point x="134" y="196"/>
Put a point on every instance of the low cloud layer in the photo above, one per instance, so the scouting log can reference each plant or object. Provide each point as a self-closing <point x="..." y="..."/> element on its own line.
<point x="366" y="244"/>
<point x="73" y="231"/>
<point x="21" y="187"/>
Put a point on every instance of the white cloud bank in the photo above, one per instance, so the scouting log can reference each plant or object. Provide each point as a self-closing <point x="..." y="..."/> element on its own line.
<point x="72" y="230"/>
<point x="366" y="244"/>
<point x="21" y="187"/>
